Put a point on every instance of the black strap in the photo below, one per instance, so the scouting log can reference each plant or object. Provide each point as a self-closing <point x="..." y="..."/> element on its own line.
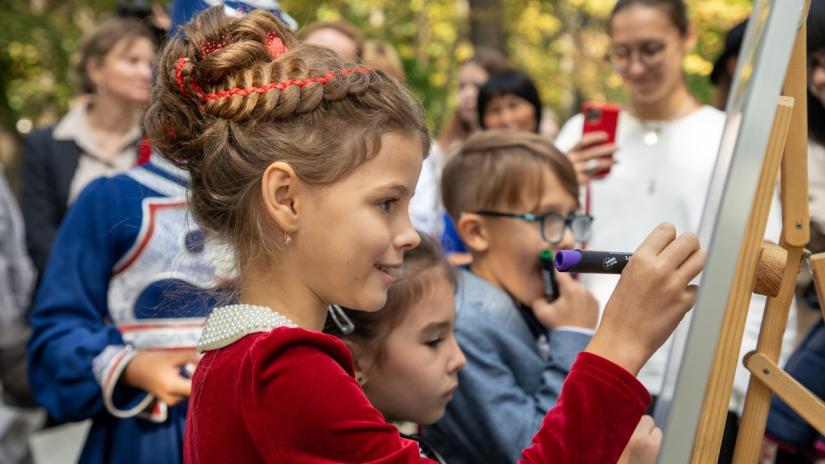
<point x="426" y="449"/>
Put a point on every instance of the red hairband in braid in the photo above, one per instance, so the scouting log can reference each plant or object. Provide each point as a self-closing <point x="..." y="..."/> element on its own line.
<point x="274" y="45"/>
<point x="244" y="91"/>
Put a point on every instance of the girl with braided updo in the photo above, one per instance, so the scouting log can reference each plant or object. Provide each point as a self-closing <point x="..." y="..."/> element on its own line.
<point x="305" y="164"/>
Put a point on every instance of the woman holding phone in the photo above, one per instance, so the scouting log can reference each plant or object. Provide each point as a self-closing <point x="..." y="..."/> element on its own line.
<point x="665" y="140"/>
<point x="662" y="161"/>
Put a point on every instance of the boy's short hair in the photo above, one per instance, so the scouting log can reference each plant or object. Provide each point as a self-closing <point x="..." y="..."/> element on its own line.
<point x="502" y="170"/>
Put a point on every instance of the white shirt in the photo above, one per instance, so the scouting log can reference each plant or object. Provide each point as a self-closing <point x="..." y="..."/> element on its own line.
<point x="426" y="210"/>
<point x="665" y="181"/>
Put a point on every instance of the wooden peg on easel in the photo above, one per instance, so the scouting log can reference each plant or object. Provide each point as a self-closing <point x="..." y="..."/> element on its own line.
<point x="770" y="269"/>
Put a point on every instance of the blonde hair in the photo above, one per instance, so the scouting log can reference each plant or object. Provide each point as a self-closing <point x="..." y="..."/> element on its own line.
<point x="502" y="169"/>
<point x="236" y="94"/>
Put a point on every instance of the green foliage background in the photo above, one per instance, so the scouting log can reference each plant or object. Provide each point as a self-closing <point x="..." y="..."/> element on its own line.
<point x="561" y="43"/>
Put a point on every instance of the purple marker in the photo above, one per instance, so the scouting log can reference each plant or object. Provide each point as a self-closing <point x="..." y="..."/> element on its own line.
<point x="591" y="262"/>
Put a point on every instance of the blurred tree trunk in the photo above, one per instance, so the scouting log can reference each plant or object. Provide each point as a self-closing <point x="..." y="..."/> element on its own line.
<point x="486" y="24"/>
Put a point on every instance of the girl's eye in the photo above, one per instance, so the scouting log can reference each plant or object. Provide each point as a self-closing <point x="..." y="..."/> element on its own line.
<point x="434" y="343"/>
<point x="387" y="204"/>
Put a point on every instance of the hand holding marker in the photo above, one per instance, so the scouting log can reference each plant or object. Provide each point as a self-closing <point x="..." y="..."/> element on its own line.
<point x="591" y="262"/>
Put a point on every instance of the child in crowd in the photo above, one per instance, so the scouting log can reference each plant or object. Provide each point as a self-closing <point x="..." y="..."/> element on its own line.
<point x="512" y="195"/>
<point x="118" y="313"/>
<point x="407" y="358"/>
<point x="426" y="209"/>
<point x="406" y="355"/>
<point x="305" y="164"/>
<point x="510" y="101"/>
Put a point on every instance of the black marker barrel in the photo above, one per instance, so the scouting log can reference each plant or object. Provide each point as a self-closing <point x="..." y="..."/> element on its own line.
<point x="548" y="274"/>
<point x="592" y="262"/>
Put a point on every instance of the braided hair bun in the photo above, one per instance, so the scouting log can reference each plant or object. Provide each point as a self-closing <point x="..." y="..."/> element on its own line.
<point x="234" y="95"/>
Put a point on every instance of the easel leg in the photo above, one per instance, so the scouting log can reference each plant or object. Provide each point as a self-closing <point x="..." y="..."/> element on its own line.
<point x="758" y="401"/>
<point x="818" y="269"/>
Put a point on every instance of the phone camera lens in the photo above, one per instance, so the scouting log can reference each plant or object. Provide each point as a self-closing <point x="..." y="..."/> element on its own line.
<point x="592" y="114"/>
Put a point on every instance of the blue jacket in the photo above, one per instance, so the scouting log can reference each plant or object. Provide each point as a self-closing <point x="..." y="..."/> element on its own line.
<point x="807" y="365"/>
<point x="128" y="271"/>
<point x="514" y="374"/>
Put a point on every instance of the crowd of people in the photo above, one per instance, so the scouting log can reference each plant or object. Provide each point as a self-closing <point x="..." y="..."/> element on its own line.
<point x="241" y="244"/>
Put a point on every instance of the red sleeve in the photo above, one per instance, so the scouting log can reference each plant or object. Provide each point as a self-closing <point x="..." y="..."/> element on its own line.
<point x="303" y="405"/>
<point x="599" y="407"/>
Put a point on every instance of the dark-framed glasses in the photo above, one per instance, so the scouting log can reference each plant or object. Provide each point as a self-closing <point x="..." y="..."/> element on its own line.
<point x="650" y="53"/>
<point x="552" y="225"/>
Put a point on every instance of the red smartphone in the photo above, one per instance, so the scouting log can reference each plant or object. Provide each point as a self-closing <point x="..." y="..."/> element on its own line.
<point x="601" y="117"/>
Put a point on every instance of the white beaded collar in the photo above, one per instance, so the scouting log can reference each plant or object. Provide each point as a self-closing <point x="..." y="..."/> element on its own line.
<point x="228" y="324"/>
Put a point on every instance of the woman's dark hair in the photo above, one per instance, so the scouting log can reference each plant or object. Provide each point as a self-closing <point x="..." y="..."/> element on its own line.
<point x="509" y="82"/>
<point x="674" y="9"/>
<point x="816" y="42"/>
<point x="372" y="328"/>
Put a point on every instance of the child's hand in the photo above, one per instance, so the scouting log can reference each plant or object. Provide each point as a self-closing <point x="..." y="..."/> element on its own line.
<point x="591" y="148"/>
<point x="158" y="372"/>
<point x="575" y="307"/>
<point x="644" y="444"/>
<point x="653" y="295"/>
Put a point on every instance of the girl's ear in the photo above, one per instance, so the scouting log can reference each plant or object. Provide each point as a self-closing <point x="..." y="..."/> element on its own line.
<point x="92" y="68"/>
<point x="473" y="232"/>
<point x="279" y="191"/>
<point x="363" y="360"/>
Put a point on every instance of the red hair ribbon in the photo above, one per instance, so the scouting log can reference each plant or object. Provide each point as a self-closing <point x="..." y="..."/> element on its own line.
<point x="244" y="91"/>
<point x="208" y="48"/>
<point x="275" y="45"/>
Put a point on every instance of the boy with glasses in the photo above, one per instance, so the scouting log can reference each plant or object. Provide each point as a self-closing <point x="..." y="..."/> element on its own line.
<point x="511" y="196"/>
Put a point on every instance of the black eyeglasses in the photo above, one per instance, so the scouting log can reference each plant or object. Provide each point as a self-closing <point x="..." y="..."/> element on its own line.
<point x="649" y="53"/>
<point x="552" y="224"/>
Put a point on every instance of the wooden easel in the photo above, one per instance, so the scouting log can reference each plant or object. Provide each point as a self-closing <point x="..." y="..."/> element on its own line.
<point x="768" y="270"/>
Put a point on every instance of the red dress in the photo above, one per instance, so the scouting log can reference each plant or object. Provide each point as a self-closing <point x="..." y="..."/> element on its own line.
<point x="289" y="396"/>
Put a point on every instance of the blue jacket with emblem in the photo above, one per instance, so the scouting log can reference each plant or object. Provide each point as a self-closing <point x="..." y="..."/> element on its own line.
<point x="129" y="271"/>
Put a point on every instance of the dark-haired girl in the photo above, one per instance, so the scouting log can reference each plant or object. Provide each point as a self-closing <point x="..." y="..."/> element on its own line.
<point x="509" y="100"/>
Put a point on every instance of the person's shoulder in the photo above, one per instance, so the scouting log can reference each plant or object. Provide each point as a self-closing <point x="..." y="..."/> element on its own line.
<point x="481" y="304"/>
<point x="40" y="133"/>
<point x="707" y="118"/>
<point x="37" y="143"/>
<point x="109" y="189"/>
<point x="570" y="133"/>
<point x="296" y="348"/>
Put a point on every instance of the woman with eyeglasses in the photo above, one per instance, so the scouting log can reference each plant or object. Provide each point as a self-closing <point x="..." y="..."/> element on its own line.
<point x="663" y="159"/>
<point x="666" y="143"/>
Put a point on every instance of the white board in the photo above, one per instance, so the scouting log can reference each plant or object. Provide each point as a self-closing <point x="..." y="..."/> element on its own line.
<point x="757" y="84"/>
